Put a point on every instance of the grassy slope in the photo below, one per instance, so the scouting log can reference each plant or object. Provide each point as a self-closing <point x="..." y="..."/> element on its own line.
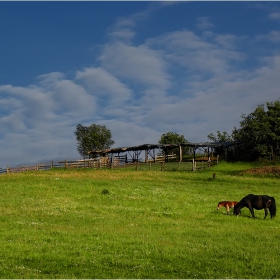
<point x="58" y="224"/>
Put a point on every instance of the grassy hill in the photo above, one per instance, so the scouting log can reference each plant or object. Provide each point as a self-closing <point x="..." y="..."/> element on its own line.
<point x="136" y="224"/>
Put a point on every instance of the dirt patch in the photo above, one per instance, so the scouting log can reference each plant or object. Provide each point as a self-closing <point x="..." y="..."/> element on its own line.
<point x="265" y="170"/>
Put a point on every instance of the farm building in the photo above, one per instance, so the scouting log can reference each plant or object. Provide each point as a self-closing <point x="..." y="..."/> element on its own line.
<point x="163" y="152"/>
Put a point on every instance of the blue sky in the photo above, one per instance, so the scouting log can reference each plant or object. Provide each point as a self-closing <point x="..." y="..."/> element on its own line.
<point x="140" y="68"/>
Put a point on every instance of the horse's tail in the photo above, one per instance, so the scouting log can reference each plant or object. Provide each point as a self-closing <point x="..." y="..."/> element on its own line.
<point x="272" y="208"/>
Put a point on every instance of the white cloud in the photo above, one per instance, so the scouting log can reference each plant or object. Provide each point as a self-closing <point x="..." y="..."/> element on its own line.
<point x="140" y="65"/>
<point x="198" y="56"/>
<point x="124" y="131"/>
<point x="204" y="23"/>
<point x="122" y="30"/>
<point x="110" y="93"/>
<point x="272" y="36"/>
<point x="178" y="81"/>
<point x="100" y="83"/>
<point x="274" y="15"/>
<point x="40" y="115"/>
<point x="227" y="41"/>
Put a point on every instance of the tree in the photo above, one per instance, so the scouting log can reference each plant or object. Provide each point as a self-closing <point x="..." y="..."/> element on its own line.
<point x="220" y="137"/>
<point x="92" y="138"/>
<point x="173" y="138"/>
<point x="259" y="132"/>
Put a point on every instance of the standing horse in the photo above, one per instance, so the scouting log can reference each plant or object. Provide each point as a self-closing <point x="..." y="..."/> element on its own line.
<point x="257" y="202"/>
<point x="226" y="204"/>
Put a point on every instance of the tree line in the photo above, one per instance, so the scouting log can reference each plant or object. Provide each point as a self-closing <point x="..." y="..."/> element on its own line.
<point x="258" y="135"/>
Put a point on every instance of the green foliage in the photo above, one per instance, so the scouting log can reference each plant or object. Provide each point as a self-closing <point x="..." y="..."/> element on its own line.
<point x="92" y="138"/>
<point x="173" y="138"/>
<point x="154" y="225"/>
<point x="220" y="137"/>
<point x="259" y="132"/>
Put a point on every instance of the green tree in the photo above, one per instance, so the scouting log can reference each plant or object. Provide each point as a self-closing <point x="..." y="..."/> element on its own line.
<point x="92" y="138"/>
<point x="220" y="137"/>
<point x="173" y="138"/>
<point x="259" y="132"/>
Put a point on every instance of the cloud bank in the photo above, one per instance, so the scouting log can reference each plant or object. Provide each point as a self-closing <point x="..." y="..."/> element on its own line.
<point x="192" y="82"/>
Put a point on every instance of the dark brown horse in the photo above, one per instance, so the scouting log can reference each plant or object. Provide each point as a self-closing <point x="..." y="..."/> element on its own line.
<point x="226" y="204"/>
<point x="257" y="202"/>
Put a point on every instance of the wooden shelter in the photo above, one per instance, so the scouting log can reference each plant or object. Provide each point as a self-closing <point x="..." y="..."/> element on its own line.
<point x="149" y="150"/>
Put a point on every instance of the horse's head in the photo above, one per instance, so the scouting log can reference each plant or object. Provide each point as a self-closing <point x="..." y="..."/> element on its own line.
<point x="236" y="210"/>
<point x="219" y="205"/>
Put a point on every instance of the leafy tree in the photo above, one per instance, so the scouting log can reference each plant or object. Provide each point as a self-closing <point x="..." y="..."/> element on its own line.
<point x="259" y="132"/>
<point x="173" y="138"/>
<point x="92" y="138"/>
<point x="220" y="137"/>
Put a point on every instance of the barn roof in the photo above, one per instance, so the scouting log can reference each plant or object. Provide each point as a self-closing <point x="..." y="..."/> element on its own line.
<point x="164" y="146"/>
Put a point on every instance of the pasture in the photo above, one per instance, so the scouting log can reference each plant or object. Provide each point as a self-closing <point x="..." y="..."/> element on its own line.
<point x="86" y="223"/>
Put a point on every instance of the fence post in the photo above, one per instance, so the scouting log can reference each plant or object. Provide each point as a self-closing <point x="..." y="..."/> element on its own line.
<point x="161" y="165"/>
<point x="180" y="153"/>
<point x="194" y="164"/>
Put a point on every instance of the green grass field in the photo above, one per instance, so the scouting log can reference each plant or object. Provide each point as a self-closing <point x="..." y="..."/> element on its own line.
<point x="136" y="224"/>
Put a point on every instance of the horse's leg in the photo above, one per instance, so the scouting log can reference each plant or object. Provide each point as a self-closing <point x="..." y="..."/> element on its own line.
<point x="227" y="209"/>
<point x="252" y="211"/>
<point x="265" y="208"/>
<point x="265" y="212"/>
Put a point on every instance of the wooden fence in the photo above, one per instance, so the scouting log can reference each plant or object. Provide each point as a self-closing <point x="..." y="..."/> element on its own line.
<point x="115" y="163"/>
<point x="85" y="163"/>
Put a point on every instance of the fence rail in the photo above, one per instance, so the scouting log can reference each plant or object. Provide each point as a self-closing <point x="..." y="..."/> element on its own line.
<point x="115" y="163"/>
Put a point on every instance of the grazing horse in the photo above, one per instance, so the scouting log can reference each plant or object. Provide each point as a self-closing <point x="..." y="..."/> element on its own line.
<point x="226" y="204"/>
<point x="257" y="202"/>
